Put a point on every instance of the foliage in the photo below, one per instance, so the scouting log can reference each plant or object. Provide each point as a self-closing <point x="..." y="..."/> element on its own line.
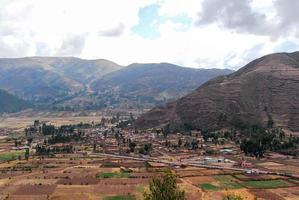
<point x="113" y="175"/>
<point x="232" y="197"/>
<point x="265" y="184"/>
<point x="13" y="155"/>
<point x="208" y="186"/>
<point x="257" y="141"/>
<point x="119" y="198"/>
<point x="164" y="188"/>
<point x="132" y="146"/>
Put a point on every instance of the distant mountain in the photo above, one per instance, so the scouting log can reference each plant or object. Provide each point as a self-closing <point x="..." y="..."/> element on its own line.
<point x="10" y="103"/>
<point x="146" y="85"/>
<point x="263" y="92"/>
<point x="68" y="83"/>
<point x="45" y="80"/>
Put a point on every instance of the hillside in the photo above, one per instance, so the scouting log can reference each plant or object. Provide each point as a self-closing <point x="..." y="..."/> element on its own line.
<point x="147" y="85"/>
<point x="64" y="83"/>
<point x="10" y="103"/>
<point x="263" y="91"/>
<point x="45" y="80"/>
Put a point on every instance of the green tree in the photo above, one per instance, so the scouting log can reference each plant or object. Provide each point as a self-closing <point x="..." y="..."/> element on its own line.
<point x="164" y="188"/>
<point x="27" y="154"/>
<point x="232" y="197"/>
<point x="132" y="146"/>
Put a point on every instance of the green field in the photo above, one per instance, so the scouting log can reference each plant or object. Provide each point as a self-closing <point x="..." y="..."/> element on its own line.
<point x="209" y="187"/>
<point x="265" y="184"/>
<point x="120" y="198"/>
<point x="13" y="155"/>
<point x="224" y="178"/>
<point x="113" y="175"/>
<point x="230" y="185"/>
<point x="227" y="182"/>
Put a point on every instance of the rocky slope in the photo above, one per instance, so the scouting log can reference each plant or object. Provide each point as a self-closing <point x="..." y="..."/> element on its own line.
<point x="266" y="89"/>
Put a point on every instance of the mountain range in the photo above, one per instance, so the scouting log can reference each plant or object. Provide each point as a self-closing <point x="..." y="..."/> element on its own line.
<point x="65" y="83"/>
<point x="264" y="92"/>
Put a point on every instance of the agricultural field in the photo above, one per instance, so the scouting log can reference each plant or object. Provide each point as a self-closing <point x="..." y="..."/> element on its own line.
<point x="89" y="178"/>
<point x="85" y="157"/>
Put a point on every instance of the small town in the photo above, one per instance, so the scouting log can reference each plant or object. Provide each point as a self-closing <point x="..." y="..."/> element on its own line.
<point x="107" y="159"/>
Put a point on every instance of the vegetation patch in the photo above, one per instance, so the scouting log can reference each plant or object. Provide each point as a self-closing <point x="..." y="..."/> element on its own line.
<point x="120" y="198"/>
<point x="224" y="178"/>
<point x="265" y="184"/>
<point x="113" y="175"/>
<point x="230" y="185"/>
<point x="227" y="182"/>
<point x="209" y="187"/>
<point x="13" y="155"/>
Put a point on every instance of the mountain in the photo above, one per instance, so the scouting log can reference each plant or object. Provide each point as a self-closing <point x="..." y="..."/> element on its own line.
<point x="45" y="80"/>
<point x="10" y="103"/>
<point x="263" y="92"/>
<point x="146" y="85"/>
<point x="68" y="83"/>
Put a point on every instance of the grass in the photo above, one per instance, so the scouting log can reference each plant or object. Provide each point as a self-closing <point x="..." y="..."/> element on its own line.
<point x="231" y="185"/>
<point x="209" y="187"/>
<point x="120" y="198"/>
<point x="224" y="178"/>
<point x="227" y="182"/>
<point x="13" y="155"/>
<point x="113" y="175"/>
<point x="265" y="184"/>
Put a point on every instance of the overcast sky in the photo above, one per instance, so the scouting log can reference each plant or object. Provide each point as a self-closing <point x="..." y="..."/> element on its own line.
<point x="192" y="33"/>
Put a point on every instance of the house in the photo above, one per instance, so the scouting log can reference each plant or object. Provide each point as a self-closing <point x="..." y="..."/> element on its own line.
<point x="245" y="164"/>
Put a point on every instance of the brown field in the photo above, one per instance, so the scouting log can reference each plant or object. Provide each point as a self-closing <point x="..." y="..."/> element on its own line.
<point x="200" y="180"/>
<point x="75" y="181"/>
<point x="19" y="123"/>
<point x="266" y="194"/>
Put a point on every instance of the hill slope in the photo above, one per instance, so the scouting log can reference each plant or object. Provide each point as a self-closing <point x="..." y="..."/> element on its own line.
<point x="44" y="80"/>
<point x="264" y="90"/>
<point x="10" y="103"/>
<point x="146" y="85"/>
<point x="65" y="83"/>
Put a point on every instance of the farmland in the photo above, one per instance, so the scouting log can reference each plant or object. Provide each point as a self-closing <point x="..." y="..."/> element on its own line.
<point x="94" y="159"/>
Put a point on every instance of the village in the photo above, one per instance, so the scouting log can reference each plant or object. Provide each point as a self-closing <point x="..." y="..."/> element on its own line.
<point x="109" y="160"/>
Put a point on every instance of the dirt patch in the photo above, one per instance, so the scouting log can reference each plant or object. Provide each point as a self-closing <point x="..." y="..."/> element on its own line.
<point x="266" y="194"/>
<point x="199" y="180"/>
<point x="35" y="190"/>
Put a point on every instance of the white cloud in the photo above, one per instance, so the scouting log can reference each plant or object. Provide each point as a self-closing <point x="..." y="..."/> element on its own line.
<point x="80" y="28"/>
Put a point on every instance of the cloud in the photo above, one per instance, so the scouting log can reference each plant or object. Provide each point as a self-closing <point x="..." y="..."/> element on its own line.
<point x="287" y="15"/>
<point x="193" y="33"/>
<point x="72" y="46"/>
<point x="113" y="32"/>
<point x="274" y="19"/>
<point x="13" y="47"/>
<point x="233" y="14"/>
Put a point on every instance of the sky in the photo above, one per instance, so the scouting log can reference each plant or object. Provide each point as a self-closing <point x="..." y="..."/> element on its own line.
<point x="191" y="33"/>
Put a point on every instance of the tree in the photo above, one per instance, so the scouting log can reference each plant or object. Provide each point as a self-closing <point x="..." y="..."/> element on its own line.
<point x="132" y="146"/>
<point x="94" y="147"/>
<point x="232" y="197"/>
<point x="166" y="130"/>
<point x="164" y="188"/>
<point x="147" y="148"/>
<point x="27" y="154"/>
<point x="180" y="142"/>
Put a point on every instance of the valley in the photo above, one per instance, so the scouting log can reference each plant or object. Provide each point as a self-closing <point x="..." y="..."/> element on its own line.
<point x="235" y="135"/>
<point x="96" y="157"/>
